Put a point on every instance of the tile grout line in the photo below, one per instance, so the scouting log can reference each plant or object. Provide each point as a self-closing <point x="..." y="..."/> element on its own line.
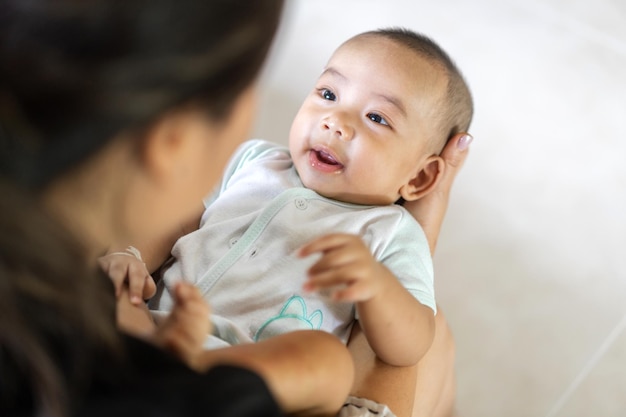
<point x="595" y="358"/>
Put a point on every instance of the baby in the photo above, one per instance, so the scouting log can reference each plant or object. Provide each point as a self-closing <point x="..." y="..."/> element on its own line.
<point x="310" y="237"/>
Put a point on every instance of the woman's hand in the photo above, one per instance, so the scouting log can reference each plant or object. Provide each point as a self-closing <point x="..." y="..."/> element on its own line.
<point x="430" y="210"/>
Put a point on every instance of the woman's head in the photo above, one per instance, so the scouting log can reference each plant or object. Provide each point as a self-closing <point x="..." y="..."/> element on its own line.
<point x="78" y="75"/>
<point x="109" y="109"/>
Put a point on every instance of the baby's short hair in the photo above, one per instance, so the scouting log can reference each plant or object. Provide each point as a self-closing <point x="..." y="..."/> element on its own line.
<point x="457" y="107"/>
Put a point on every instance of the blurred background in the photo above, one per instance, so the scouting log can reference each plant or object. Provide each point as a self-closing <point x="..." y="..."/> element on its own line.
<point x="531" y="264"/>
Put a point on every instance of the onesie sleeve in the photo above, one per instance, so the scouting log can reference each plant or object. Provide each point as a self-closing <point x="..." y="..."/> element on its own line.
<point x="407" y="255"/>
<point x="244" y="154"/>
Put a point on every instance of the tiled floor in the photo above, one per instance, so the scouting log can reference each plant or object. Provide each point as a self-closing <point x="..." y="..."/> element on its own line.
<point x="531" y="267"/>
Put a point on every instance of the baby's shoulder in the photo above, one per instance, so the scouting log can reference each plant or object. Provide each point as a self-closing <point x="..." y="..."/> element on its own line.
<point x="389" y="221"/>
<point x="255" y="149"/>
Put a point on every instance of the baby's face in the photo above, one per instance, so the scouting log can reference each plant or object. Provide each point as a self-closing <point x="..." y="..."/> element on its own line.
<point x="364" y="130"/>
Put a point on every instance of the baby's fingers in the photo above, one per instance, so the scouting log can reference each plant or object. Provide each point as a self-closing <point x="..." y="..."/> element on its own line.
<point x="331" y="278"/>
<point x="189" y="299"/>
<point x="338" y="287"/>
<point x="358" y="291"/>
<point x="117" y="272"/>
<point x="138" y="278"/>
<point x="326" y="243"/>
<point x="149" y="288"/>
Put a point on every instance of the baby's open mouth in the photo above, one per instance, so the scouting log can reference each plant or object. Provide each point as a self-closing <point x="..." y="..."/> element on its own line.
<point x="326" y="158"/>
<point x="324" y="161"/>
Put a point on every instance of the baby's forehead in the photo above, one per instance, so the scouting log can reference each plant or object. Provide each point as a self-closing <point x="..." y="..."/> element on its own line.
<point x="382" y="63"/>
<point x="397" y="57"/>
<point x="380" y="67"/>
<point x="373" y="39"/>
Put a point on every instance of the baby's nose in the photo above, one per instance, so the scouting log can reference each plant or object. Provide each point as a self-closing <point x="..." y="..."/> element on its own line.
<point x="338" y="127"/>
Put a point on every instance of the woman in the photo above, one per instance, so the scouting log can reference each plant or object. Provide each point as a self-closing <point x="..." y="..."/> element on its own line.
<point x="116" y="118"/>
<point x="100" y="103"/>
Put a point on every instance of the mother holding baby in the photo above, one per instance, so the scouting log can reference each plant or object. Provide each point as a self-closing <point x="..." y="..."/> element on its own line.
<point x="116" y="118"/>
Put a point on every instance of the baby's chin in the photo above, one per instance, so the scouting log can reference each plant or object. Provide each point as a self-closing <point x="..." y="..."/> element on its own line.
<point x="325" y="192"/>
<point x="326" y="187"/>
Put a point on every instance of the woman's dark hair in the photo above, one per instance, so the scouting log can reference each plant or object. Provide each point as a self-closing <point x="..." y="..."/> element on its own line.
<point x="55" y="313"/>
<point x="73" y="73"/>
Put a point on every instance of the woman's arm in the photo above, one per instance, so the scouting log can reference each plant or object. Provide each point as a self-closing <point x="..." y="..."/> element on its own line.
<point x="309" y="372"/>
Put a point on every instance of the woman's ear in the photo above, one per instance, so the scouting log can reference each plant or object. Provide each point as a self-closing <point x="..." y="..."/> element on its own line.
<point x="426" y="179"/>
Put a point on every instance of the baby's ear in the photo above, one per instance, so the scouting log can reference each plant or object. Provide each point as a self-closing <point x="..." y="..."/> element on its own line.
<point x="425" y="180"/>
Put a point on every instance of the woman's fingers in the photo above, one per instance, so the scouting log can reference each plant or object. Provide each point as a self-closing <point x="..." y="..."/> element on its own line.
<point x="454" y="154"/>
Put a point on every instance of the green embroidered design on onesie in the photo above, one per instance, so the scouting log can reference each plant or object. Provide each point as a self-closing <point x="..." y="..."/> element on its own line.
<point x="293" y="316"/>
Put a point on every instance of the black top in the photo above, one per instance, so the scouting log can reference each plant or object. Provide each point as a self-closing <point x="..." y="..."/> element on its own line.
<point x="157" y="384"/>
<point x="153" y="383"/>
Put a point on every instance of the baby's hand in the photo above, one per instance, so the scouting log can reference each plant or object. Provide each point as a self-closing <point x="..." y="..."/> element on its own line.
<point x="347" y="268"/>
<point x="128" y="268"/>
<point x="184" y="331"/>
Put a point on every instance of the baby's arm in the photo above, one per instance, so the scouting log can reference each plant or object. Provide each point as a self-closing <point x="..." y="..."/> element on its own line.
<point x="310" y="372"/>
<point x="132" y="284"/>
<point x="127" y="269"/>
<point x="182" y="332"/>
<point x="132" y="268"/>
<point x="398" y="327"/>
<point x="185" y="329"/>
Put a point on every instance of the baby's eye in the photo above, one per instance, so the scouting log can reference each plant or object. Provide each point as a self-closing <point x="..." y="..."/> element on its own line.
<point x="328" y="95"/>
<point x="377" y="118"/>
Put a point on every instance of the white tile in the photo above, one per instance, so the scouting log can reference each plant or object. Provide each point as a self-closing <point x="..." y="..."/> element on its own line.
<point x="520" y="341"/>
<point x="602" y="390"/>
